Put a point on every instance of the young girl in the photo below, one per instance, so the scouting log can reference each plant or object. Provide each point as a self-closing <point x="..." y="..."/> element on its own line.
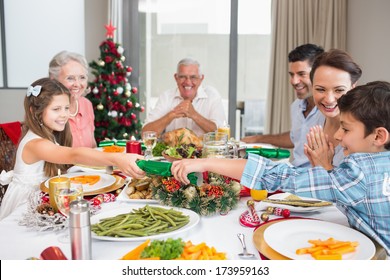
<point x="46" y="145"/>
<point x="360" y="185"/>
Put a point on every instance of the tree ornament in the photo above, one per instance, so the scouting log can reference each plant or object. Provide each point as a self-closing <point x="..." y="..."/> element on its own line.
<point x="125" y="135"/>
<point x="128" y="86"/>
<point x="129" y="104"/>
<point x="123" y="58"/>
<point x="134" y="90"/>
<point x="114" y="114"/>
<point x="95" y="90"/>
<point x="110" y="30"/>
<point x="120" y="50"/>
<point x="101" y="63"/>
<point x="127" y="93"/>
<point x="129" y="69"/>
<point x="100" y="107"/>
<point x="119" y="90"/>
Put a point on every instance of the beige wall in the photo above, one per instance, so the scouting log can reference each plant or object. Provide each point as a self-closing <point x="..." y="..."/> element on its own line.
<point x="367" y="41"/>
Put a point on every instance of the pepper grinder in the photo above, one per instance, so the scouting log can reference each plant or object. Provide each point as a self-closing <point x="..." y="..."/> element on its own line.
<point x="80" y="230"/>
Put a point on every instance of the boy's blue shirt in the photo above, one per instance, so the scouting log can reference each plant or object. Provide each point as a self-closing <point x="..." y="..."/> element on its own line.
<point x="360" y="187"/>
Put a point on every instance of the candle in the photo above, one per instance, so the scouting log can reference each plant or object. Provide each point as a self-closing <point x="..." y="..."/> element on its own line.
<point x="133" y="147"/>
<point x="57" y="183"/>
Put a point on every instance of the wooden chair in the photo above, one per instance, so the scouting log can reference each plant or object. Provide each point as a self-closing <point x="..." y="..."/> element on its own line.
<point x="8" y="149"/>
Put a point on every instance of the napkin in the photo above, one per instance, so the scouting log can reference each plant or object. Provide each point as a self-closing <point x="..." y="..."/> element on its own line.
<point x="269" y="153"/>
<point x="293" y="200"/>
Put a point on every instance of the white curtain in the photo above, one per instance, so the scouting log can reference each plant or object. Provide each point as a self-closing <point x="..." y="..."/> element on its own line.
<point x="115" y="17"/>
<point x="297" y="22"/>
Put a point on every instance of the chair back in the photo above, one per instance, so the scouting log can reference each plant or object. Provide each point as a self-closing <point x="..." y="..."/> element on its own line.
<point x="8" y="148"/>
<point x="254" y="117"/>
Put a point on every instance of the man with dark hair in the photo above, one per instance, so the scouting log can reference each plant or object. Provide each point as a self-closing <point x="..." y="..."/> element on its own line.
<point x="304" y="113"/>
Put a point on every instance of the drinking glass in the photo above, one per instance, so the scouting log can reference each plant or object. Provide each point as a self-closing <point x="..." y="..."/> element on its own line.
<point x="63" y="197"/>
<point x="150" y="141"/>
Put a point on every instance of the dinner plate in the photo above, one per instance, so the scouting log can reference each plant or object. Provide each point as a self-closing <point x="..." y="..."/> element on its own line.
<point x="262" y="205"/>
<point x="124" y="197"/>
<point x="105" y="181"/>
<point x="194" y="220"/>
<point x="289" y="235"/>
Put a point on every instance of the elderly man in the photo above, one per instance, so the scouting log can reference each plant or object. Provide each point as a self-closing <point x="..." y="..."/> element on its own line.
<point x="304" y="113"/>
<point x="190" y="105"/>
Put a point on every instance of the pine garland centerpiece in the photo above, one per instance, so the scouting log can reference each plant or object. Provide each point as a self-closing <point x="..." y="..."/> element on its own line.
<point x="217" y="194"/>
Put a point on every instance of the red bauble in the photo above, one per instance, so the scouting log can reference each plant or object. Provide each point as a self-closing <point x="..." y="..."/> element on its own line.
<point x="133" y="116"/>
<point x="142" y="108"/>
<point x="129" y="104"/>
<point x="129" y="69"/>
<point x="134" y="90"/>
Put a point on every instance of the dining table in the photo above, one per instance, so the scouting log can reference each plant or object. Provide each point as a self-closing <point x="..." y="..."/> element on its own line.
<point x="19" y="242"/>
<point x="220" y="231"/>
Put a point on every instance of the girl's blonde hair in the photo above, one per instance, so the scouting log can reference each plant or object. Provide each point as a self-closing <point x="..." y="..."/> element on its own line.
<point x="34" y="107"/>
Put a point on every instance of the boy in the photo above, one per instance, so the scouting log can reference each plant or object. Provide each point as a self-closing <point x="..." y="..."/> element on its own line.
<point x="360" y="185"/>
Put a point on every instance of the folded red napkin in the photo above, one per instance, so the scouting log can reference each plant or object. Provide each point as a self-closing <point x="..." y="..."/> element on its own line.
<point x="13" y="130"/>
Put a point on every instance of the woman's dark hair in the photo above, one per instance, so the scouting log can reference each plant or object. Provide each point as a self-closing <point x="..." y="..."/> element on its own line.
<point x="369" y="104"/>
<point x="340" y="60"/>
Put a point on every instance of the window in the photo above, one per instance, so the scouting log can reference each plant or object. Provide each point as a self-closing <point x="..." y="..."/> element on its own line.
<point x="173" y="29"/>
<point x="33" y="32"/>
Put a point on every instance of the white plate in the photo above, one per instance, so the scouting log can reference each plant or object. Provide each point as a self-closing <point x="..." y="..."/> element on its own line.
<point x="298" y="209"/>
<point x="287" y="236"/>
<point x="124" y="197"/>
<point x="105" y="181"/>
<point x="194" y="220"/>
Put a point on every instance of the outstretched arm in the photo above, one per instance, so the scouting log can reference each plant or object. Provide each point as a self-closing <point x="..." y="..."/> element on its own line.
<point x="227" y="167"/>
<point x="43" y="149"/>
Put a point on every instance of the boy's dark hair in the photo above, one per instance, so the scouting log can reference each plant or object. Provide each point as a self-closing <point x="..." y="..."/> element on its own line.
<point x="369" y="104"/>
<point x="305" y="52"/>
<point x="340" y="60"/>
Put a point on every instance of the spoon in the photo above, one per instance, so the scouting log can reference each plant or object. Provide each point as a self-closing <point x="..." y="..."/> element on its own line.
<point x="244" y="253"/>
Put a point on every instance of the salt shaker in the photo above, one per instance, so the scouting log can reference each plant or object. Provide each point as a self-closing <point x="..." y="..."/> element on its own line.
<point x="80" y="230"/>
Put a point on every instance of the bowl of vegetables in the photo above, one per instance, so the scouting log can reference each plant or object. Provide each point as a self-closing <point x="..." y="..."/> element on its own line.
<point x="182" y="151"/>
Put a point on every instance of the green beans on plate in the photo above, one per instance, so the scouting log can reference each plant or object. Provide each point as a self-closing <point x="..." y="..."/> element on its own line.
<point x="145" y="221"/>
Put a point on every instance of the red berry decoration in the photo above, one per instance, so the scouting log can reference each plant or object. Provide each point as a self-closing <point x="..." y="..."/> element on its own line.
<point x="286" y="213"/>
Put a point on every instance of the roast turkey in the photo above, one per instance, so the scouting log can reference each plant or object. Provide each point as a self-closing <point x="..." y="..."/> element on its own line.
<point x="181" y="136"/>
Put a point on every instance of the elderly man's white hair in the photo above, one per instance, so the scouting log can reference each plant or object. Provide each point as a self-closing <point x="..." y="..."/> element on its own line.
<point x="189" y="61"/>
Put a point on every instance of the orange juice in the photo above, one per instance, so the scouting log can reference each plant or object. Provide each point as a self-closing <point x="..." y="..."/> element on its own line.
<point x="258" y="194"/>
<point x="225" y="129"/>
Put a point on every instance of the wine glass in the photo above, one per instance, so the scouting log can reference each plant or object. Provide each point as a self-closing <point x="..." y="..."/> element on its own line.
<point x="150" y="141"/>
<point x="63" y="197"/>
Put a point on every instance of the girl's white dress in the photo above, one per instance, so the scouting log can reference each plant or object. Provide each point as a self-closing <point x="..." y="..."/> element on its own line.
<point x="26" y="179"/>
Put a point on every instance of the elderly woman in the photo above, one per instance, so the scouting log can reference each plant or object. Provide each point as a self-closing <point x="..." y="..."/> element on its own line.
<point x="71" y="69"/>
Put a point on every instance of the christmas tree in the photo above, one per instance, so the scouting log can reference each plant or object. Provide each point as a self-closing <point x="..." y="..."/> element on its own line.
<point x="114" y="99"/>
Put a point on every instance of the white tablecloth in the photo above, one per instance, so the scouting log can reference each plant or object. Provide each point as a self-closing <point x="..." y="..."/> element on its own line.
<point x="19" y="242"/>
